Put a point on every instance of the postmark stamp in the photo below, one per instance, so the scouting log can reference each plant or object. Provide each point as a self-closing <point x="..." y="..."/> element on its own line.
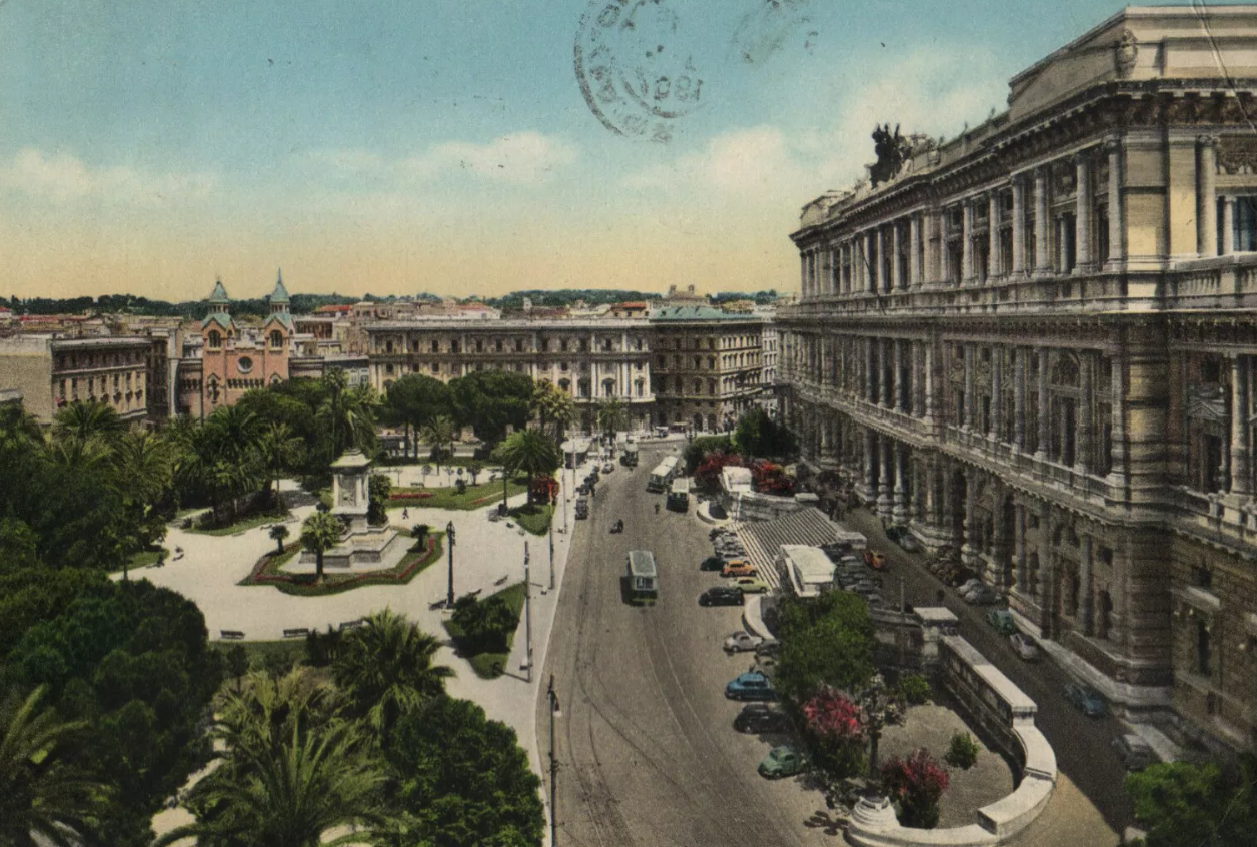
<point x="634" y="68"/>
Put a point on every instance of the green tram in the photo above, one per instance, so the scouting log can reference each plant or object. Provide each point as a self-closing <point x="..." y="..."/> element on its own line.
<point x="643" y="577"/>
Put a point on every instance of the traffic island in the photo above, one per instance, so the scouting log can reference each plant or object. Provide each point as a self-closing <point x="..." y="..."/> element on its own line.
<point x="270" y="570"/>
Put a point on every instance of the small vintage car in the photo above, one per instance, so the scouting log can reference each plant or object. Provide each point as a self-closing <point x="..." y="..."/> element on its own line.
<point x="782" y="761"/>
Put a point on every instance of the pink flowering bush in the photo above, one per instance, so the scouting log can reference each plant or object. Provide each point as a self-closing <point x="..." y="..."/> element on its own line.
<point x="832" y="723"/>
<point x="916" y="784"/>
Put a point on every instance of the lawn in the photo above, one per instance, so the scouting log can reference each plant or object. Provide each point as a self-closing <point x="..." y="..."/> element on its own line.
<point x="245" y="523"/>
<point x="533" y="518"/>
<point x="492" y="665"/>
<point x="267" y="572"/>
<point x="475" y="497"/>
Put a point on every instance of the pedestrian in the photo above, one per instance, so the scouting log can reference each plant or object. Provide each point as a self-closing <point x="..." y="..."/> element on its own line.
<point x="405" y="513"/>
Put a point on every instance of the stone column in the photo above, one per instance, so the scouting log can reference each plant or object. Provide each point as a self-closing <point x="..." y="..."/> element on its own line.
<point x="870" y="480"/>
<point x="1082" y="237"/>
<point x="1042" y="253"/>
<point x="1206" y="195"/>
<point x="1085" y="589"/>
<point x="931" y="498"/>
<point x="1040" y="452"/>
<point x="1118" y="382"/>
<point x="993" y="268"/>
<point x="885" y="500"/>
<point x="896" y="278"/>
<point x="970" y="401"/>
<point x="803" y="273"/>
<point x="1019" y="546"/>
<point x="929" y="382"/>
<point x="898" y="374"/>
<point x="880" y="269"/>
<point x="914" y="250"/>
<point x="1241" y="484"/>
<point x="899" y="513"/>
<point x="1083" y="460"/>
<point x="1046" y="580"/>
<point x="967" y="272"/>
<point x="1228" y="225"/>
<point x="918" y="365"/>
<point x="1117" y="207"/>
<point x="997" y="388"/>
<point x="868" y="369"/>
<point x="1019" y="226"/>
<point x="969" y="550"/>
<point x="1019" y="399"/>
<point x="931" y="229"/>
<point x="884" y="364"/>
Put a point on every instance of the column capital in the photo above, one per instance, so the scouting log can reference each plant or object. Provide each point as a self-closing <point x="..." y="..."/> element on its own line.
<point x="1112" y="144"/>
<point x="1206" y="141"/>
<point x="1082" y="158"/>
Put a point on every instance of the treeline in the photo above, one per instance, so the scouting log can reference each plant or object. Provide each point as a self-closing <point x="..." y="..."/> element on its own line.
<point x="129" y="304"/>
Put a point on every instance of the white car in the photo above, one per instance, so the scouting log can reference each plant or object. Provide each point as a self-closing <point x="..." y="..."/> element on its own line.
<point x="1024" y="647"/>
<point x="968" y="586"/>
<point x="741" y="642"/>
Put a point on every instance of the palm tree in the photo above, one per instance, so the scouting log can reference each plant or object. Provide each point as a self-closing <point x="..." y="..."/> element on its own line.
<point x="42" y="799"/>
<point x="278" y="448"/>
<point x="320" y="533"/>
<point x="18" y="428"/>
<point x="264" y="708"/>
<point x="349" y="413"/>
<point x="439" y="434"/>
<point x="80" y="421"/>
<point x="611" y="415"/>
<point x="529" y="452"/>
<point x="278" y="533"/>
<point x="290" y="794"/>
<point x="386" y="669"/>
<point x="552" y="405"/>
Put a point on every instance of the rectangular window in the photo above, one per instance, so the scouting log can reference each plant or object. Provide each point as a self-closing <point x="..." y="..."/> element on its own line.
<point x="1245" y="224"/>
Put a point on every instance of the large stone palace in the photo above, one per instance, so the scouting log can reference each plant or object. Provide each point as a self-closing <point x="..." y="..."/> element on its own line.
<point x="1035" y="343"/>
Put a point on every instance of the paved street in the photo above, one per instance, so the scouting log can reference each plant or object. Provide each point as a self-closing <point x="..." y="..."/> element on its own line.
<point x="646" y="748"/>
<point x="1082" y="744"/>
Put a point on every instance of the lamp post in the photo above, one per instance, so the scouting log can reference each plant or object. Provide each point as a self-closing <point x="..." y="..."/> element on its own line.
<point x="879" y="707"/>
<point x="449" y="538"/>
<point x="554" y="763"/>
<point x="527" y="619"/>
<point x="550" y="530"/>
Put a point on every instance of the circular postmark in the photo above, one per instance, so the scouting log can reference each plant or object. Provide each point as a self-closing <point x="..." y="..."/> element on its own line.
<point x="634" y="69"/>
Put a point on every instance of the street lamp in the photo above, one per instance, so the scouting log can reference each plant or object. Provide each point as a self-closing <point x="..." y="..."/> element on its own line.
<point x="449" y="537"/>
<point x="527" y="619"/>
<point x="879" y="708"/>
<point x="555" y="712"/>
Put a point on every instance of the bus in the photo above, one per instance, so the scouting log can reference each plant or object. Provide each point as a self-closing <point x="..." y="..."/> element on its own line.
<point x="662" y="475"/>
<point x="643" y="576"/>
<point x="629" y="457"/>
<point x="679" y="495"/>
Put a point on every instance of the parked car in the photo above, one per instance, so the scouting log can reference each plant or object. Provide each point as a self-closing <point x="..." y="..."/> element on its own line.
<point x="768" y="647"/>
<point x="721" y="596"/>
<point x="983" y="595"/>
<point x="1024" y="647"/>
<point x="751" y="585"/>
<point x="1134" y="751"/>
<point x="740" y="642"/>
<point x="1086" y="698"/>
<point x="1002" y="620"/>
<point x="874" y="559"/>
<point x="957" y="576"/>
<point x="750" y="686"/>
<point x="968" y="585"/>
<point x="901" y="536"/>
<point x="712" y="563"/>
<point x="737" y="567"/>
<point x="782" y="761"/>
<point x="761" y="718"/>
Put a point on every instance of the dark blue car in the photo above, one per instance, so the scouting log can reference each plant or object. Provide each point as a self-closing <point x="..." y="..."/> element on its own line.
<point x="751" y="686"/>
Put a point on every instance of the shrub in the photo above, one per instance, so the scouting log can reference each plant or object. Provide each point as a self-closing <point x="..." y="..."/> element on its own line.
<point x="917" y="784"/>
<point x="485" y="626"/>
<point x="915" y="689"/>
<point x="378" y="487"/>
<point x="420" y="533"/>
<point x="835" y="734"/>
<point x="963" y="752"/>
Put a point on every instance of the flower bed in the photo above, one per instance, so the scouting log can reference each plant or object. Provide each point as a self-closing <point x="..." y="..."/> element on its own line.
<point x="401" y="496"/>
<point x="267" y="572"/>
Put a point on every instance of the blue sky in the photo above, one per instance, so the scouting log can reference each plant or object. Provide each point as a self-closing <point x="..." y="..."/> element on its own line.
<point x="392" y="147"/>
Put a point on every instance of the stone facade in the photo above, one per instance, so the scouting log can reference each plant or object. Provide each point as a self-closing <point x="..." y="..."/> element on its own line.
<point x="51" y="372"/>
<point x="591" y="360"/>
<point x="1035" y="344"/>
<point x="708" y="366"/>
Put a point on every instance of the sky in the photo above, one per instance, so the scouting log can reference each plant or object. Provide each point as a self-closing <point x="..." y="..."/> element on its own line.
<point x="450" y="146"/>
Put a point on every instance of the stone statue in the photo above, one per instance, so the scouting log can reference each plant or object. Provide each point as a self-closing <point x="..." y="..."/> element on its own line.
<point x="1125" y="51"/>
<point x="892" y="149"/>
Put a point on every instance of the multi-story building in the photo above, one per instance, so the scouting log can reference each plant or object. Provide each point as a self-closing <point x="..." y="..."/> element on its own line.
<point x="707" y="366"/>
<point x="232" y="358"/>
<point x="1036" y="343"/>
<point x="590" y="360"/>
<point x="769" y="350"/>
<point x="51" y="371"/>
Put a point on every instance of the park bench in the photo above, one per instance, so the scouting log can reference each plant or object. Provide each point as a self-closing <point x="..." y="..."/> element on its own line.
<point x="296" y="633"/>
<point x="231" y="634"/>
<point x="351" y="624"/>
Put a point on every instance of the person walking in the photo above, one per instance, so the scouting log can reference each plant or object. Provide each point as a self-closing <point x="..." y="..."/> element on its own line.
<point x="405" y="513"/>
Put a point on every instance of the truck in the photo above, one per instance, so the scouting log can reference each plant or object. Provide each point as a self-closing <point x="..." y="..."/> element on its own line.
<point x="662" y="475"/>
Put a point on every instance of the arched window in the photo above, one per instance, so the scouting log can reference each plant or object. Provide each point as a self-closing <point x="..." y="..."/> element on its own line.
<point x="277" y="339"/>
<point x="214" y="339"/>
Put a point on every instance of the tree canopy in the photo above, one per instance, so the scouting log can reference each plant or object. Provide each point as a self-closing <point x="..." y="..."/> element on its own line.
<point x="490" y="401"/>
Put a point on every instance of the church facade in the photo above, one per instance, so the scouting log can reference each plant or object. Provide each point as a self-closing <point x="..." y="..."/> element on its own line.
<point x="1034" y="343"/>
